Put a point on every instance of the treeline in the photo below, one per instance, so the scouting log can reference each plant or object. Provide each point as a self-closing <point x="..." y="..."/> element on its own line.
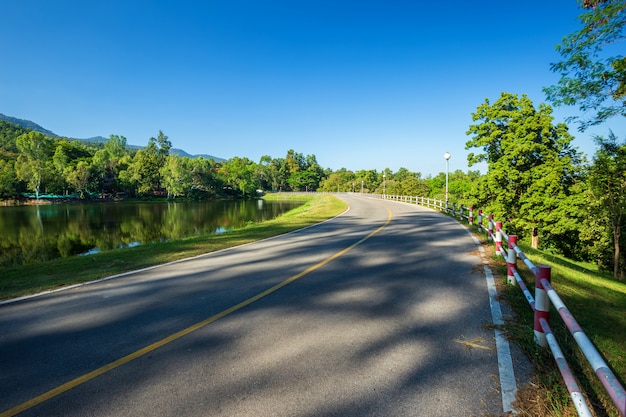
<point x="33" y="163"/>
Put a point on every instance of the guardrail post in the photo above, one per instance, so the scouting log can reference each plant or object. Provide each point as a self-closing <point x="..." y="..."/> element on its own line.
<point x="542" y="304"/>
<point x="480" y="220"/>
<point x="498" y="238"/>
<point x="490" y="227"/>
<point x="512" y="261"/>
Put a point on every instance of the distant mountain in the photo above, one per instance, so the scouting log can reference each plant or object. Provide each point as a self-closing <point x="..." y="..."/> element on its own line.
<point x="181" y="153"/>
<point x="96" y="139"/>
<point x="27" y="124"/>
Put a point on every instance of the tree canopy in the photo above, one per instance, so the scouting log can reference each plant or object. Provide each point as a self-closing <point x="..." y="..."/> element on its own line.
<point x="593" y="70"/>
<point x="532" y="166"/>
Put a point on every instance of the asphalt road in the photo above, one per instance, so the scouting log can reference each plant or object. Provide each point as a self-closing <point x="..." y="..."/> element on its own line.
<point x="382" y="311"/>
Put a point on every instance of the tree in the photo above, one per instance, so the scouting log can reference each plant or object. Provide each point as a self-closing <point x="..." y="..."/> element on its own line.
<point x="531" y="165"/>
<point x="8" y="183"/>
<point x="294" y="161"/>
<point x="79" y="176"/>
<point x="340" y="180"/>
<point x="176" y="175"/>
<point x="145" y="170"/>
<point x="607" y="188"/>
<point x="60" y="162"/>
<point x="589" y="79"/>
<point x="238" y="173"/>
<point x="109" y="160"/>
<point x="34" y="150"/>
<point x="304" y="181"/>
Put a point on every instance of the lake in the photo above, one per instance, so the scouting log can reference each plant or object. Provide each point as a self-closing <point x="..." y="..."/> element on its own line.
<point x="43" y="232"/>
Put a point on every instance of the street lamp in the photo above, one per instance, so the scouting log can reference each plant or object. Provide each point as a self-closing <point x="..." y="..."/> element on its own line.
<point x="447" y="157"/>
<point x="384" y="192"/>
<point x="361" y="186"/>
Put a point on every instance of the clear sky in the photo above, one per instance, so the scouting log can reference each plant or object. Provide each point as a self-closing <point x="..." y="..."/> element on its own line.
<point x="367" y="84"/>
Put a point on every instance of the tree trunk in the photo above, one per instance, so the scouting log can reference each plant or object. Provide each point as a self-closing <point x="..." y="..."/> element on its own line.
<point x="535" y="238"/>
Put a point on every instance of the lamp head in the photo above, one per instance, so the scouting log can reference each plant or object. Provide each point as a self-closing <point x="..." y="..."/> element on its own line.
<point x="447" y="155"/>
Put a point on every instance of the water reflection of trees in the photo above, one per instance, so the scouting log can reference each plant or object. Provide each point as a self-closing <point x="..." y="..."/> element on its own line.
<point x="33" y="234"/>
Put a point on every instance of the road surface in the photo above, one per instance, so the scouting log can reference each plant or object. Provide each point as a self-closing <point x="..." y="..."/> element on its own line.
<point x="382" y="311"/>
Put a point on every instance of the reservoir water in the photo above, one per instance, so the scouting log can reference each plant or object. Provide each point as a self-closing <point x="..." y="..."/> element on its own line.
<point x="36" y="233"/>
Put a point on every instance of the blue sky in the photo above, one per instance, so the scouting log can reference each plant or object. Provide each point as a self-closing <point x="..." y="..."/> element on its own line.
<point x="360" y="84"/>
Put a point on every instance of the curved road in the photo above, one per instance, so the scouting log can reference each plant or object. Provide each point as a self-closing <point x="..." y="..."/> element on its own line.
<point x="382" y="311"/>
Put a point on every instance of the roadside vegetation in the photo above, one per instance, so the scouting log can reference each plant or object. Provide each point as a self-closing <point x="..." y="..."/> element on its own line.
<point x="32" y="278"/>
<point x="597" y="303"/>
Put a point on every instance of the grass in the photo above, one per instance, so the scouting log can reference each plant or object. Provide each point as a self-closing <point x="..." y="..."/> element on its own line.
<point x="598" y="303"/>
<point x="29" y="279"/>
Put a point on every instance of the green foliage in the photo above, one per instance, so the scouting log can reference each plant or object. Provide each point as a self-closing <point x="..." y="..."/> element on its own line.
<point x="34" y="149"/>
<point x="607" y="197"/>
<point x="589" y="79"/>
<point x="8" y="179"/>
<point x="532" y="167"/>
<point x="9" y="132"/>
<point x="304" y="180"/>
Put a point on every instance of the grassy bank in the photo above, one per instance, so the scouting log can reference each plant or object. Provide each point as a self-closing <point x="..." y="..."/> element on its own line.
<point x="598" y="303"/>
<point x="33" y="278"/>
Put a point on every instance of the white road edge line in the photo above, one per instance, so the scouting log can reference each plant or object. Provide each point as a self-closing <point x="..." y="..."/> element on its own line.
<point x="505" y="362"/>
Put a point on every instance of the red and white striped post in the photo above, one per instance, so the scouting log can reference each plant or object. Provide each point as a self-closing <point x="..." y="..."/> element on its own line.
<point x="471" y="215"/>
<point x="542" y="304"/>
<point x="490" y="227"/>
<point x="512" y="260"/>
<point x="480" y="220"/>
<point x="498" y="238"/>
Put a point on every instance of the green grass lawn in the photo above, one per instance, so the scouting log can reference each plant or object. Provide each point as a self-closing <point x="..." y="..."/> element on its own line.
<point x="29" y="279"/>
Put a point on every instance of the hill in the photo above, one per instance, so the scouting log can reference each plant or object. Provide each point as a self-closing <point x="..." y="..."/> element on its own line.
<point x="28" y="124"/>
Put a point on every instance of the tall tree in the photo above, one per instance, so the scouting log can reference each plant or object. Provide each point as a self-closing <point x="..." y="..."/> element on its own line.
<point x="109" y="160"/>
<point x="147" y="163"/>
<point x="8" y="183"/>
<point x="607" y="188"/>
<point x="531" y="164"/>
<point x="79" y="176"/>
<point x="238" y="173"/>
<point x="593" y="71"/>
<point x="176" y="176"/>
<point x="34" y="150"/>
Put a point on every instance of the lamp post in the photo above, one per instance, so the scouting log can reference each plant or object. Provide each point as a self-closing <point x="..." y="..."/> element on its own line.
<point x="361" y="186"/>
<point x="447" y="158"/>
<point x="384" y="185"/>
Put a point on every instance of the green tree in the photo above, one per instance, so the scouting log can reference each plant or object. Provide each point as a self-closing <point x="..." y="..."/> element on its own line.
<point x="177" y="177"/>
<point x="304" y="180"/>
<point x="79" y="177"/>
<point x="268" y="171"/>
<point x="532" y="166"/>
<point x="145" y="170"/>
<point x="109" y="160"/>
<point x="368" y="179"/>
<point x="607" y="192"/>
<point x="9" y="132"/>
<point x="294" y="162"/>
<point x="60" y="162"/>
<point x="34" y="150"/>
<point x="8" y="179"/>
<point x="593" y="74"/>
<point x="238" y="174"/>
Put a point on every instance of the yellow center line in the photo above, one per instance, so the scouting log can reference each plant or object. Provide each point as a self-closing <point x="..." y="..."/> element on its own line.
<point x="132" y="356"/>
